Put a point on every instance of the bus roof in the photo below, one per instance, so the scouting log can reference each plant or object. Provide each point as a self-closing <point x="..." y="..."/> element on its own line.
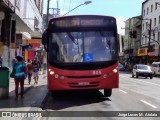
<point x="83" y="16"/>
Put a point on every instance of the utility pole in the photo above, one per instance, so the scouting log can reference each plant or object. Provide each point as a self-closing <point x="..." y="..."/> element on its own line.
<point x="47" y="13"/>
<point x="129" y="40"/>
<point x="150" y="22"/>
<point x="131" y="25"/>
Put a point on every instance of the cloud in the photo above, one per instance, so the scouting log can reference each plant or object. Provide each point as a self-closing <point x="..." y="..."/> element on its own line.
<point x="120" y="25"/>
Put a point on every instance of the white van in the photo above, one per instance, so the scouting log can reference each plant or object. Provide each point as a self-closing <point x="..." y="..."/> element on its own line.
<point x="155" y="68"/>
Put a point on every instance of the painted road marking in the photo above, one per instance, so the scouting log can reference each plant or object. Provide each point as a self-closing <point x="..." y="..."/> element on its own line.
<point x="143" y="81"/>
<point x="148" y="104"/>
<point x="123" y="91"/>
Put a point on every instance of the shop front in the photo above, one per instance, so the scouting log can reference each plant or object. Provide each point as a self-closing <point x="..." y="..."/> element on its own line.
<point x="142" y="55"/>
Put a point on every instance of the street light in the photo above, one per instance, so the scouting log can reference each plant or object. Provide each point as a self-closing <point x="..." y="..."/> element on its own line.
<point x="85" y="3"/>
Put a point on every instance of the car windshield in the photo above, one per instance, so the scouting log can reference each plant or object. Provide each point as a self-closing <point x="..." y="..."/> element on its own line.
<point x="143" y="67"/>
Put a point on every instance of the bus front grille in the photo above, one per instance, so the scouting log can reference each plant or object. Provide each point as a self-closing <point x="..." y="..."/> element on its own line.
<point x="83" y="76"/>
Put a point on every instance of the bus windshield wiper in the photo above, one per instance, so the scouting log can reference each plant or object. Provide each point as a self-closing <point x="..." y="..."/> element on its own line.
<point x="72" y="38"/>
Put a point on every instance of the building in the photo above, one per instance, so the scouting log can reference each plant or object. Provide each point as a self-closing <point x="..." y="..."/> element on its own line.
<point x="121" y="48"/>
<point x="20" y="20"/>
<point x="150" y="38"/>
<point x="132" y="39"/>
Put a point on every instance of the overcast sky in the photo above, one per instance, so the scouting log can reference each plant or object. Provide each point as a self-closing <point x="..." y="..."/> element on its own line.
<point x="120" y="9"/>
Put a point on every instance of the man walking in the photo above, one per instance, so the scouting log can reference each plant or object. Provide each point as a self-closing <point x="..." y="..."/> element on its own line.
<point x="36" y="66"/>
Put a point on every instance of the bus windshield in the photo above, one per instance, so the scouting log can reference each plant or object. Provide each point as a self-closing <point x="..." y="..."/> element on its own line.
<point x="85" y="46"/>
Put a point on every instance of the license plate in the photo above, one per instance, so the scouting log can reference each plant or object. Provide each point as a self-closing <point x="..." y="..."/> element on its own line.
<point x="83" y="83"/>
<point x="145" y="74"/>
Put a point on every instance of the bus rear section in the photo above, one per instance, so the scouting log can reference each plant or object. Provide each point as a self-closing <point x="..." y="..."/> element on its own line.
<point x="82" y="53"/>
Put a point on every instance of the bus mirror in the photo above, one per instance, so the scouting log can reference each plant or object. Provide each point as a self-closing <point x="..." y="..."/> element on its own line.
<point x="45" y="40"/>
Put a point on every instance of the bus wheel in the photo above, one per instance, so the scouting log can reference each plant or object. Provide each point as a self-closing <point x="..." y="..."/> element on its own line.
<point x="107" y="92"/>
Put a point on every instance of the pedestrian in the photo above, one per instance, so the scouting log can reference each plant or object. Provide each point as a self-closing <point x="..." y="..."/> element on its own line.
<point x="19" y="71"/>
<point x="29" y="70"/>
<point x="36" y="67"/>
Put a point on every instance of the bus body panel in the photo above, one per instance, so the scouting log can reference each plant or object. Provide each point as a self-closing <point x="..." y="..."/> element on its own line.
<point x="104" y="78"/>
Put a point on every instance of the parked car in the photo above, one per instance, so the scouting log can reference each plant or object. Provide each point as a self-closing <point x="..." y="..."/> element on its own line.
<point x="155" y="67"/>
<point x="121" y="67"/>
<point x="142" y="70"/>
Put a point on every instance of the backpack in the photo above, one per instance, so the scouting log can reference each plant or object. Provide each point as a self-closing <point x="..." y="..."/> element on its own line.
<point x="19" y="70"/>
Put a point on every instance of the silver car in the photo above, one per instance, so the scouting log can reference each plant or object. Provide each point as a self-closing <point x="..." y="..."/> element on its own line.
<point x="142" y="70"/>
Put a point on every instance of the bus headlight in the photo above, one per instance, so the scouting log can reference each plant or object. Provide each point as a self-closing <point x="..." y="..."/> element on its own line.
<point x="115" y="70"/>
<point x="56" y="76"/>
<point x="51" y="72"/>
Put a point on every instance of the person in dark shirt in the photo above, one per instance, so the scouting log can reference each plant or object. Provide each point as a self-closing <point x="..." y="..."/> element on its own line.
<point x="36" y="67"/>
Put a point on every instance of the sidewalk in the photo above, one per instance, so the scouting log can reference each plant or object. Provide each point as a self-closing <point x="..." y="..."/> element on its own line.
<point x="33" y="96"/>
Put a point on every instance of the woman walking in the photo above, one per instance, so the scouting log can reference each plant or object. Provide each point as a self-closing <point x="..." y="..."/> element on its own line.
<point x="29" y="70"/>
<point x="19" y="71"/>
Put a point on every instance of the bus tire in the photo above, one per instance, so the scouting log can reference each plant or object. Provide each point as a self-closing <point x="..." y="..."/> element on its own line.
<point x="107" y="92"/>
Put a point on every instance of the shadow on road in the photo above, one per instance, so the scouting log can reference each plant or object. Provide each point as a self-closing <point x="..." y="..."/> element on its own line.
<point x="31" y="95"/>
<point x="66" y="99"/>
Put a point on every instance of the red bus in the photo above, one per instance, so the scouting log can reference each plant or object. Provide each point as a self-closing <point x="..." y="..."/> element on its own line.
<point x="82" y="53"/>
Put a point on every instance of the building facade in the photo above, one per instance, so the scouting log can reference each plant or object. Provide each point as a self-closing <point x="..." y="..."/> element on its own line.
<point x="150" y="38"/>
<point x="121" y="48"/>
<point x="19" y="20"/>
<point x="132" y="42"/>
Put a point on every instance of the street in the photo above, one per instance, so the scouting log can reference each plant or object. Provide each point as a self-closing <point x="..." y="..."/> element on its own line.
<point x="133" y="95"/>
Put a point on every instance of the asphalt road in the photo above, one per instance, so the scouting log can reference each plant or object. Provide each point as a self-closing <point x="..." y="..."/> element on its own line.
<point x="133" y="95"/>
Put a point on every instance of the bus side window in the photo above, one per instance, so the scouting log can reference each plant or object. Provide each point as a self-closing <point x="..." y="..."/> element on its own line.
<point x="45" y="40"/>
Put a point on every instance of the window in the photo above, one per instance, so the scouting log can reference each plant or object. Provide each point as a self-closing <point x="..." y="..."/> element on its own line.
<point x="158" y="37"/>
<point x="147" y="10"/>
<point x="155" y="6"/>
<point x="159" y="19"/>
<point x="143" y="39"/>
<point x="153" y="36"/>
<point x="143" y="26"/>
<point x="151" y="8"/>
<point x="144" y="13"/>
<point x="154" y="21"/>
<point x="146" y="25"/>
<point x="146" y="40"/>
